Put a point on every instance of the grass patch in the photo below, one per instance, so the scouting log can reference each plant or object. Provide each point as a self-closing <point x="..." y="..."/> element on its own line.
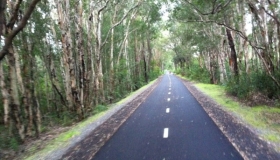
<point x="272" y="137"/>
<point x="68" y="135"/>
<point x="265" y="119"/>
<point x="63" y="139"/>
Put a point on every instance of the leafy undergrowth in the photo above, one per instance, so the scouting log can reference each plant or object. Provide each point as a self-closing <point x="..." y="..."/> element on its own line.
<point x="61" y="140"/>
<point x="265" y="119"/>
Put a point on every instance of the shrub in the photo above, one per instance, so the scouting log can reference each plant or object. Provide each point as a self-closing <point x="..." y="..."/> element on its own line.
<point x="239" y="86"/>
<point x="246" y="84"/>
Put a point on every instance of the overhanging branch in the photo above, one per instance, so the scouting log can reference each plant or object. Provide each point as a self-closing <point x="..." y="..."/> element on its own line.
<point x="118" y="23"/>
<point x="15" y="31"/>
<point x="215" y="9"/>
<point x="240" y="33"/>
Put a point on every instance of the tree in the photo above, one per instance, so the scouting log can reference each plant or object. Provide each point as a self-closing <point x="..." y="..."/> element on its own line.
<point x="9" y="30"/>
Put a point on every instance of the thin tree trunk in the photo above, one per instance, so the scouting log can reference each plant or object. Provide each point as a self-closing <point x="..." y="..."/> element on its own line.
<point x="137" y="61"/>
<point x="5" y="96"/>
<point x="145" y="62"/>
<point x="82" y="68"/>
<point x="27" y="84"/>
<point x="149" y="47"/>
<point x="233" y="57"/>
<point x="35" y="119"/>
<point x="90" y="75"/>
<point x="111" y="66"/>
<point x="98" y="61"/>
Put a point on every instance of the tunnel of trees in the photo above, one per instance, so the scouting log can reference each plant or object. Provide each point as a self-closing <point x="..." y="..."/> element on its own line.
<point x="60" y="60"/>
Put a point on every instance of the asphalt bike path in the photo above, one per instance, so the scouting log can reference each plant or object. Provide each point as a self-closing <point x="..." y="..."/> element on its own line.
<point x="169" y="125"/>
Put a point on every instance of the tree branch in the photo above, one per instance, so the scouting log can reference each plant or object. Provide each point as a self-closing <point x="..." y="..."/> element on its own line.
<point x="14" y="32"/>
<point x="118" y="23"/>
<point x="102" y="8"/>
<point x="215" y="10"/>
<point x="240" y="33"/>
<point x="272" y="16"/>
<point x="3" y="4"/>
<point x="14" y="16"/>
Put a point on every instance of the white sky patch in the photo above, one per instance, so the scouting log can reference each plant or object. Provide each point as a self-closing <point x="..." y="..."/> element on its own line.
<point x="165" y="10"/>
<point x="165" y="33"/>
<point x="248" y="24"/>
<point x="165" y="13"/>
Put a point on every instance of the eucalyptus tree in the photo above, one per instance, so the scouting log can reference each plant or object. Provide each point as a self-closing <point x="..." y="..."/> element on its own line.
<point x="13" y="21"/>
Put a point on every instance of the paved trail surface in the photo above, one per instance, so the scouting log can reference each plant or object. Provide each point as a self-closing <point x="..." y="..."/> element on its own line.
<point x="169" y="125"/>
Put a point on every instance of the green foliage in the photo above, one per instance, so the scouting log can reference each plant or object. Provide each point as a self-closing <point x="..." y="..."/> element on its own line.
<point x="246" y="84"/>
<point x="195" y="72"/>
<point x="64" y="119"/>
<point x="263" y="83"/>
<point x="239" y="87"/>
<point x="99" y="108"/>
<point x="14" y="144"/>
<point x="155" y="71"/>
<point x="66" y="136"/>
<point x="4" y="139"/>
<point x="7" y="141"/>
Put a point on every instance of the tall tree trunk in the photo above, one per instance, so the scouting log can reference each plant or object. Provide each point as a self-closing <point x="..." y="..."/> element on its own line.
<point x="98" y="61"/>
<point x="82" y="67"/>
<point x="14" y="105"/>
<point x="67" y="58"/>
<point x="111" y="66"/>
<point x="27" y="97"/>
<point x="3" y="5"/>
<point x="232" y="57"/>
<point x="145" y="62"/>
<point x="5" y="96"/>
<point x="72" y="91"/>
<point x="35" y="115"/>
<point x="221" y="62"/>
<point x="149" y="47"/>
<point x="262" y="53"/>
<point x="90" y="75"/>
<point x="136" y="61"/>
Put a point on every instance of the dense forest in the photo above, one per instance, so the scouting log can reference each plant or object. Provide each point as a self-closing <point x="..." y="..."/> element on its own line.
<point x="234" y="43"/>
<point x="63" y="60"/>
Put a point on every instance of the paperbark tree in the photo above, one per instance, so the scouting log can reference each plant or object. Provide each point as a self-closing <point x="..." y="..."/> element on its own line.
<point x="9" y="30"/>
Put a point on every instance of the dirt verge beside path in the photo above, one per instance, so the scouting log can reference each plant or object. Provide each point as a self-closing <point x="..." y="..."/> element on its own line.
<point x="244" y="139"/>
